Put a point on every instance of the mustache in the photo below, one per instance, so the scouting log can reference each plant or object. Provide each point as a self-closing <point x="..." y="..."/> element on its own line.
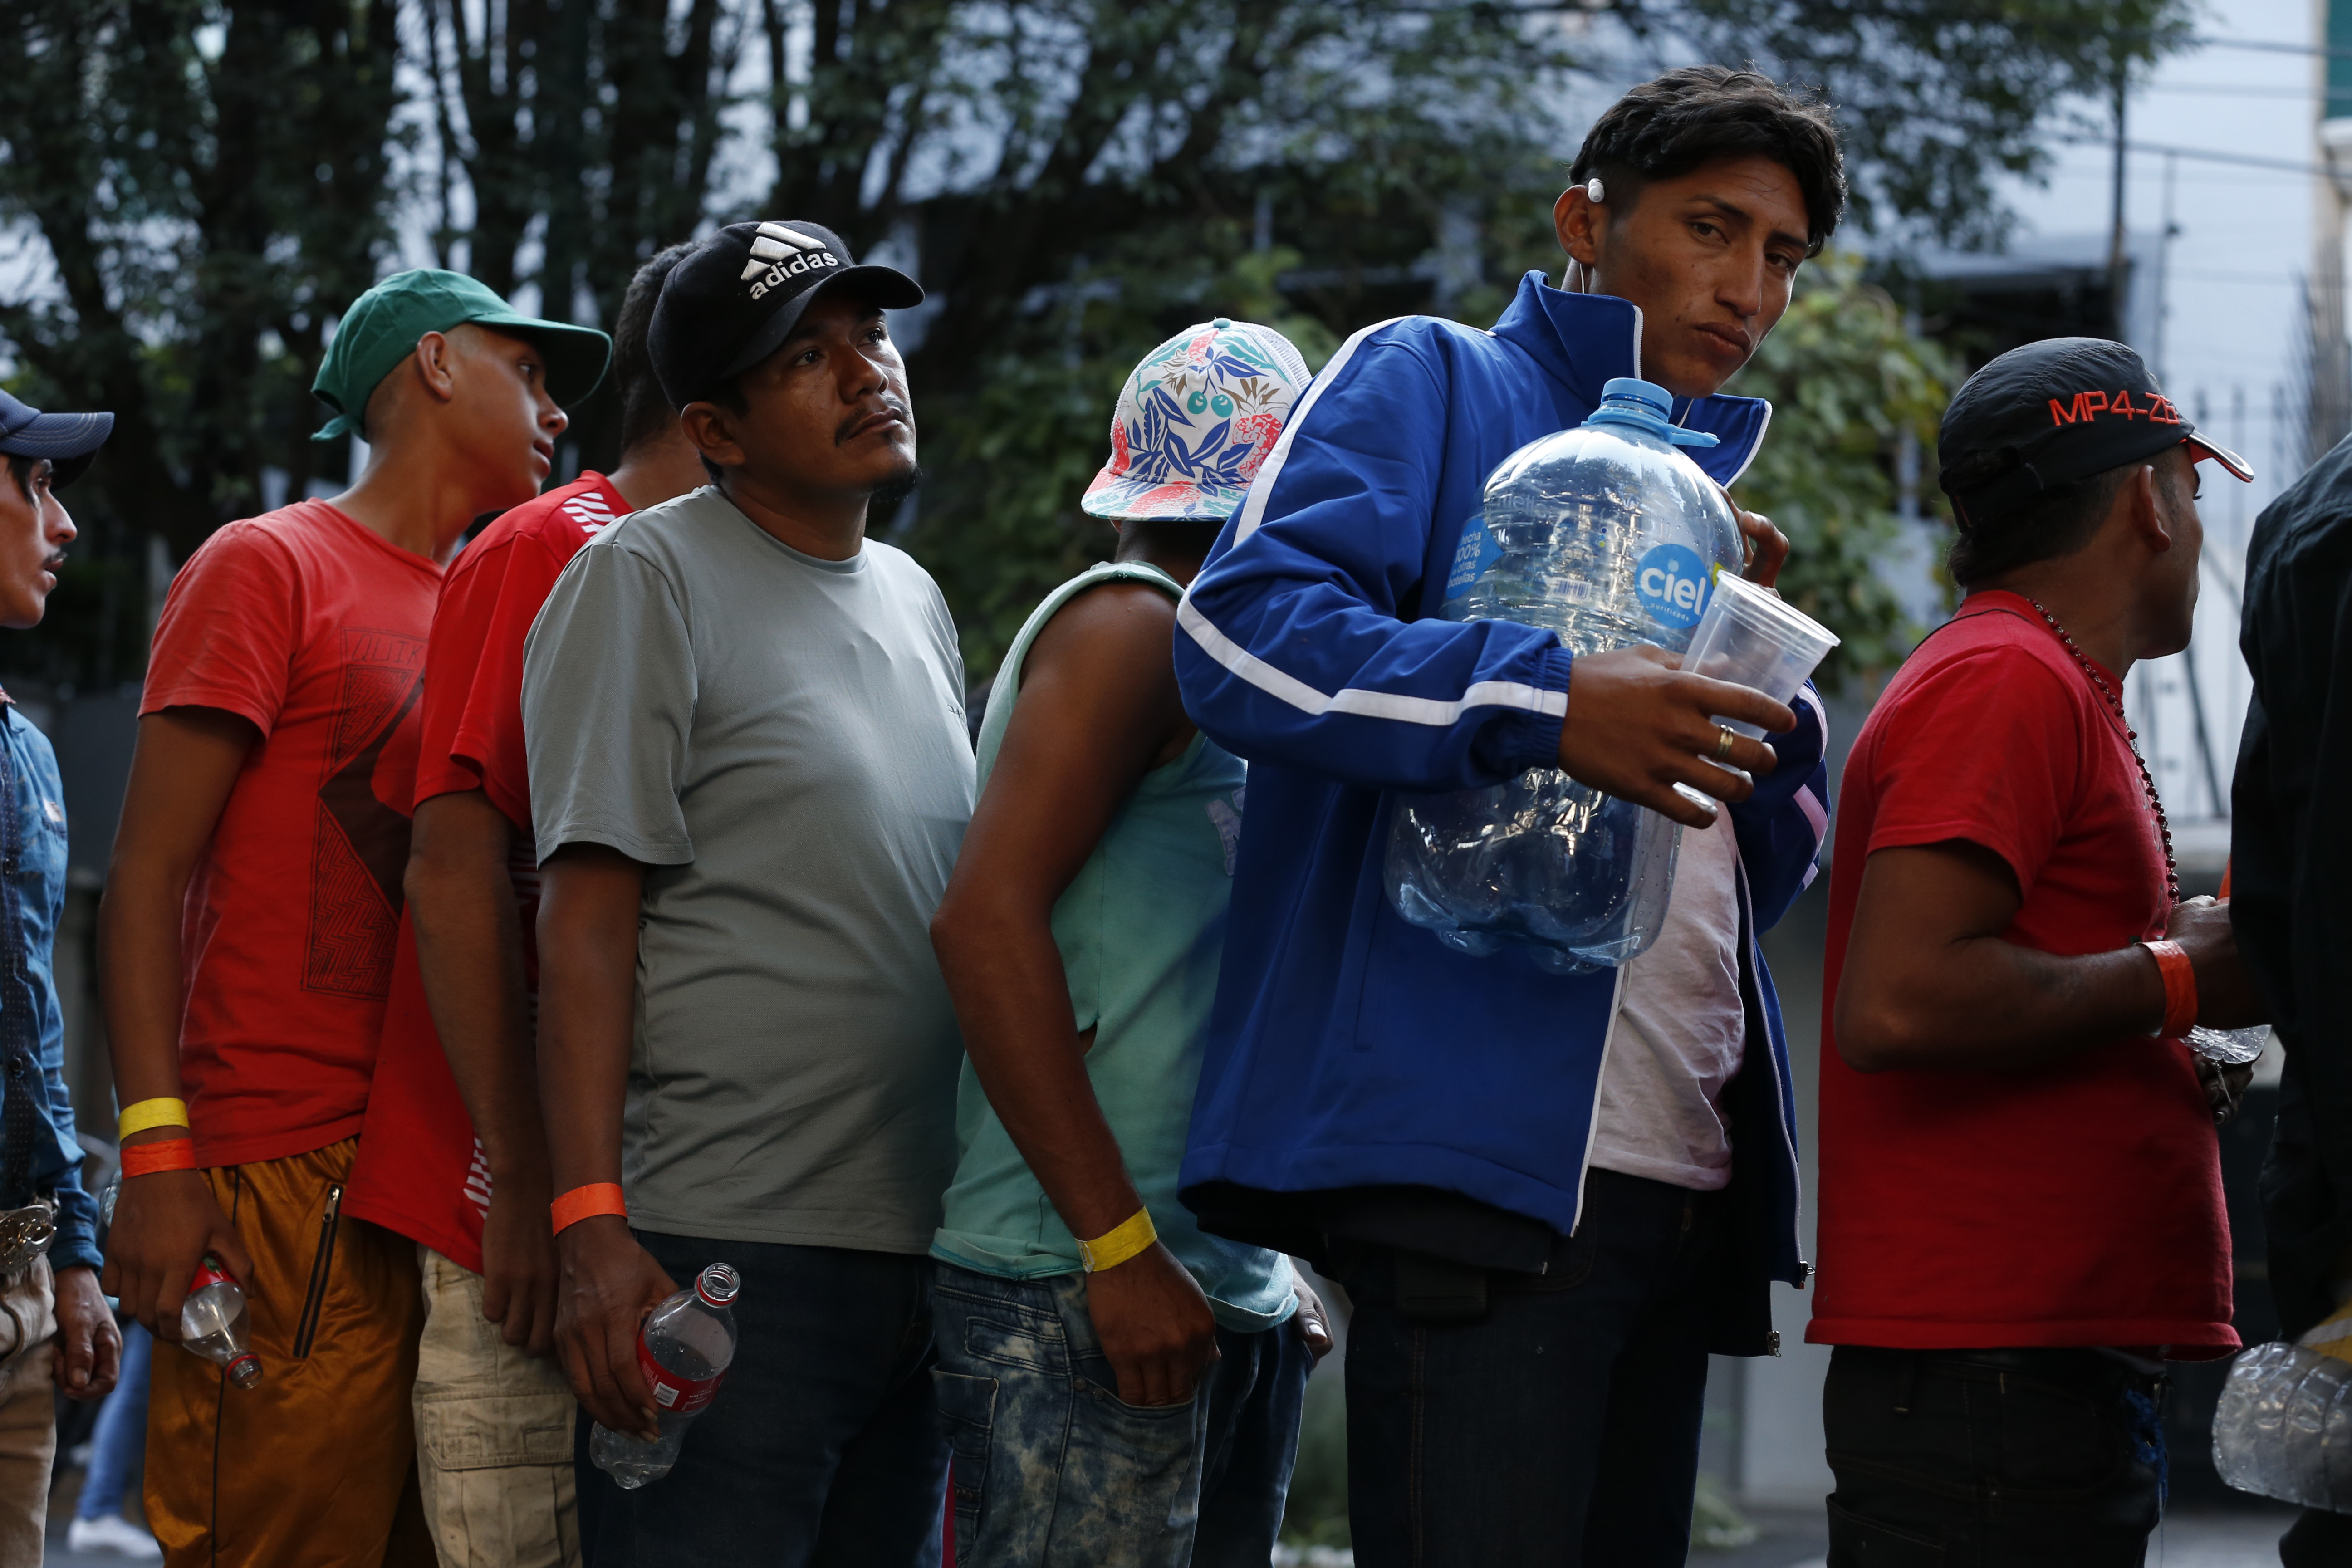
<point x="896" y="405"/>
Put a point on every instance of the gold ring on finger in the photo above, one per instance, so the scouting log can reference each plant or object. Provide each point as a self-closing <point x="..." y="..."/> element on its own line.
<point x="1723" y="747"/>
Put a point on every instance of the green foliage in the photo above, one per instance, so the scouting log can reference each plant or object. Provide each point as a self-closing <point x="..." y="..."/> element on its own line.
<point x="198" y="187"/>
<point x="1286" y="163"/>
<point x="1936" y="99"/>
<point x="211" y="184"/>
<point x="1850" y="384"/>
<point x="1009" y="459"/>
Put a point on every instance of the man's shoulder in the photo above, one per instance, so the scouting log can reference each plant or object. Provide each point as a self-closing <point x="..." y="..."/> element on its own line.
<point x="314" y="546"/>
<point x="1400" y="375"/>
<point x="907" y="581"/>
<point x="1990" y="638"/>
<point x="667" y="536"/>
<point x="281" y="537"/>
<point x="29" y="735"/>
<point x="1986" y="655"/>
<point x="562" y="519"/>
<point x="2302" y="539"/>
<point x="1431" y="333"/>
<point x="1437" y="343"/>
<point x="1110" y="601"/>
<point x="901" y="569"/>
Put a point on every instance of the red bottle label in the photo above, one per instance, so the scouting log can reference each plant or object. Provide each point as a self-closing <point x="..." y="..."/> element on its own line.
<point x="677" y="1395"/>
<point x="210" y="1272"/>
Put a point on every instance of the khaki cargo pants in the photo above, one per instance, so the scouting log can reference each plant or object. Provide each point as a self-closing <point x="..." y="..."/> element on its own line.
<point x="493" y="1435"/>
<point x="29" y="1415"/>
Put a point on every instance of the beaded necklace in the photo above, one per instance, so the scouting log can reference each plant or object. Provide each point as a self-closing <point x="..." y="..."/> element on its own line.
<point x="2131" y="739"/>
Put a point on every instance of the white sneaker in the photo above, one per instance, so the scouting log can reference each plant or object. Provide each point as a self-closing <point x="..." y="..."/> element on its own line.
<point x="115" y="1534"/>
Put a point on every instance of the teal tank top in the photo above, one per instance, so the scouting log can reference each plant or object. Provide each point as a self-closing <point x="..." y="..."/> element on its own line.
<point x="1140" y="931"/>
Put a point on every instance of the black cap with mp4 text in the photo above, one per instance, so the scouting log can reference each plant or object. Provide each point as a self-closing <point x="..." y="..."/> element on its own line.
<point x="739" y="294"/>
<point x="2054" y="412"/>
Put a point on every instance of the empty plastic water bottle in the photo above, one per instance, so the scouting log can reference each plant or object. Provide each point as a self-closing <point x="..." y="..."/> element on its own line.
<point x="1610" y="536"/>
<point x="212" y="1323"/>
<point x="683" y="1350"/>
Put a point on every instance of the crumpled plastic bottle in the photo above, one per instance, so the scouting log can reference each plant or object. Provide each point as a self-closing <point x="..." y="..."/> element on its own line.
<point x="2283" y="1427"/>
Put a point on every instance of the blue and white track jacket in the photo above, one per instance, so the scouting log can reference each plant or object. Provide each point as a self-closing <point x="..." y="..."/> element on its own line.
<point x="1348" y="1049"/>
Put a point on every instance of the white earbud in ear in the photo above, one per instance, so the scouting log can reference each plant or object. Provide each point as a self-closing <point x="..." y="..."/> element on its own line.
<point x="1594" y="190"/>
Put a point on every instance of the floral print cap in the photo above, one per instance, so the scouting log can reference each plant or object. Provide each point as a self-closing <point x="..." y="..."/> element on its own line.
<point x="1195" y="420"/>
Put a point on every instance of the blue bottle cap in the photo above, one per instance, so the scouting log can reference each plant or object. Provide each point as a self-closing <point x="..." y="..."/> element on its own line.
<point x="1635" y="387"/>
<point x="1629" y="400"/>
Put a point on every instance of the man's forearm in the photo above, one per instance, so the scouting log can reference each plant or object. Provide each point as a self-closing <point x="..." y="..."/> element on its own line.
<point x="1990" y="1003"/>
<point x="1931" y="981"/>
<point x="470" y="955"/>
<point x="1012" y="999"/>
<point x="139" y="982"/>
<point x="589" y="900"/>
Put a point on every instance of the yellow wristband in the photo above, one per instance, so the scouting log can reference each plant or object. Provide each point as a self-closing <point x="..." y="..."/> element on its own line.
<point x="152" y="1113"/>
<point x="1116" y="1245"/>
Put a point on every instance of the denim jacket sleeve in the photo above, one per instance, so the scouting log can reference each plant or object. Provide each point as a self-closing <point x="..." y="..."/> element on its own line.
<point x="36" y="874"/>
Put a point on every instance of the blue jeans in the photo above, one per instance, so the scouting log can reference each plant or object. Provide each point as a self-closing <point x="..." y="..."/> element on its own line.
<point x="823" y="1450"/>
<point x="1053" y="1471"/>
<point x="1534" y="1419"/>
<point x="121" y="1434"/>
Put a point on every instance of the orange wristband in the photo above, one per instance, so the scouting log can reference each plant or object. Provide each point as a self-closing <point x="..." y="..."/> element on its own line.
<point x="587" y="1203"/>
<point x="2180" y="987"/>
<point x="165" y="1154"/>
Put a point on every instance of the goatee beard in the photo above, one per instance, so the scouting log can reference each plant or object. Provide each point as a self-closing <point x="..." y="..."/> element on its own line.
<point x="882" y="506"/>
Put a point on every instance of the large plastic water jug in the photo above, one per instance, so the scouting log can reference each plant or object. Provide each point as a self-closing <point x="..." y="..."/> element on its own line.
<point x="1610" y="536"/>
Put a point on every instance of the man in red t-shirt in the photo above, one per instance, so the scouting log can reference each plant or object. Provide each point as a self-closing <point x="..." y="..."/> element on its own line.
<point x="2020" y="1191"/>
<point x="247" y="932"/>
<point x="454" y="1154"/>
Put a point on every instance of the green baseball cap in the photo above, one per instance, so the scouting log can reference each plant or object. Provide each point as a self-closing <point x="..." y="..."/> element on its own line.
<point x="382" y="326"/>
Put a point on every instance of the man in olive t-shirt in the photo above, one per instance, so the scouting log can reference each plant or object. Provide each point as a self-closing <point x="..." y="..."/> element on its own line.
<point x="750" y="777"/>
<point x="779" y="738"/>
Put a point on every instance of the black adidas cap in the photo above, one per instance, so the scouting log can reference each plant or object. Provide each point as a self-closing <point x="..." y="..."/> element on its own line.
<point x="735" y="297"/>
<point x="2055" y="412"/>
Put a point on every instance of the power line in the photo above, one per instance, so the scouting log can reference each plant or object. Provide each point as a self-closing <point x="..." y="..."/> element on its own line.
<point x="2203" y="154"/>
<point x="2233" y="89"/>
<point x="2224" y="275"/>
<point x="2273" y="45"/>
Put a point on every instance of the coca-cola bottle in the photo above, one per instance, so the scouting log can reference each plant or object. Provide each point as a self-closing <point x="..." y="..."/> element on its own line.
<point x="212" y="1323"/>
<point x="683" y="1350"/>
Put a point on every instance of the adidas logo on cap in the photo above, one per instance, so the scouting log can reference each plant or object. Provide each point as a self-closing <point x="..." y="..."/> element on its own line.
<point x="779" y="252"/>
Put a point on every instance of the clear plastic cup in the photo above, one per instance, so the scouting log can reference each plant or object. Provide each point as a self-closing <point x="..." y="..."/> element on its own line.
<point x="1751" y="636"/>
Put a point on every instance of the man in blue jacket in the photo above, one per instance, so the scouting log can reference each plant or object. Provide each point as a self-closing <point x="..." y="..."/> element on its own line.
<point x="1541" y="1255"/>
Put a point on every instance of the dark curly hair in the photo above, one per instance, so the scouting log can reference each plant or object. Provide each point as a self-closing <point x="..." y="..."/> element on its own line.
<point x="1665" y="128"/>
